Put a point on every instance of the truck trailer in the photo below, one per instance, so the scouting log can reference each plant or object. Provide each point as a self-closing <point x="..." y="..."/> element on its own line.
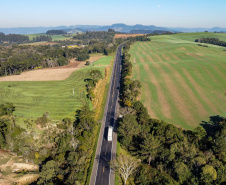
<point x="110" y="133"/>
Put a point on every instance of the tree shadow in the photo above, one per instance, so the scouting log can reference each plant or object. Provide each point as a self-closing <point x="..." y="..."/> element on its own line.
<point x="212" y="126"/>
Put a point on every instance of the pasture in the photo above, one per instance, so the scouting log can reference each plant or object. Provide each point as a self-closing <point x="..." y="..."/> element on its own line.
<point x="34" y="98"/>
<point x="182" y="83"/>
<point x="54" y="37"/>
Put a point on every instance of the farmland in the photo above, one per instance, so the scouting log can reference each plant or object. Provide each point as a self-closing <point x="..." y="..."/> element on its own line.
<point x="34" y="98"/>
<point x="182" y="83"/>
<point x="54" y="37"/>
<point x="126" y="35"/>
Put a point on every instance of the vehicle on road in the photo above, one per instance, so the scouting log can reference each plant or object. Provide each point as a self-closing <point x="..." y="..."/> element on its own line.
<point x="110" y="133"/>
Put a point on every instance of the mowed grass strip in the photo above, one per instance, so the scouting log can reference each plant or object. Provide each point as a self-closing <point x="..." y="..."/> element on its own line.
<point x="183" y="83"/>
<point x="33" y="99"/>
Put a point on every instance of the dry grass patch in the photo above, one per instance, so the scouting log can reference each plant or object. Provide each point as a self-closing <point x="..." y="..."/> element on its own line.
<point x="126" y="35"/>
<point x="194" y="54"/>
<point x="10" y="164"/>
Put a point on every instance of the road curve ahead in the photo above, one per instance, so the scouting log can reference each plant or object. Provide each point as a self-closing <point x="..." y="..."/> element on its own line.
<point x="101" y="170"/>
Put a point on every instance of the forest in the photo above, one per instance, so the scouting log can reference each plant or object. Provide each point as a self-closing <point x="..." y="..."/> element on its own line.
<point x="21" y="39"/>
<point x="56" y="32"/>
<point x="16" y="59"/>
<point x="169" y="155"/>
<point x="13" y="38"/>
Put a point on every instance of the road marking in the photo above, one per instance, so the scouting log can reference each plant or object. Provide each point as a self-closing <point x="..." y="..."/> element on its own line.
<point x="105" y="118"/>
<point x="105" y="153"/>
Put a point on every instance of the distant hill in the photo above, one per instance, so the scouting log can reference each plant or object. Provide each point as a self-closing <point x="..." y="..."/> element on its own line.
<point x="117" y="27"/>
<point x="146" y="31"/>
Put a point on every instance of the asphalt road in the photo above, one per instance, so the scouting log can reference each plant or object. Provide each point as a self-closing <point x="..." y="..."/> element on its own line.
<point x="103" y="170"/>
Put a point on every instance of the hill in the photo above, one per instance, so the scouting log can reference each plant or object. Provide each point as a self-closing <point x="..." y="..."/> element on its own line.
<point x="182" y="83"/>
<point x="117" y="27"/>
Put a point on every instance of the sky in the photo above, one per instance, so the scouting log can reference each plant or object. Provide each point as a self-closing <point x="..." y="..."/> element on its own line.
<point x="166" y="13"/>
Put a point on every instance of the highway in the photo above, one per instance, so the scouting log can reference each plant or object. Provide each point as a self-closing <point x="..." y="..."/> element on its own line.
<point x="101" y="172"/>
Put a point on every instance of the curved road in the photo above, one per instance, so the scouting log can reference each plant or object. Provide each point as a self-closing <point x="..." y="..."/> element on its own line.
<point x="101" y="172"/>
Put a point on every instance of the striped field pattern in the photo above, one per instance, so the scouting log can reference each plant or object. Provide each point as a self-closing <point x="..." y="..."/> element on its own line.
<point x="182" y="83"/>
<point x="34" y="98"/>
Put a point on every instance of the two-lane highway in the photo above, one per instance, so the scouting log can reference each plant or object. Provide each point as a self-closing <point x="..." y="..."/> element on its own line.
<point x="103" y="171"/>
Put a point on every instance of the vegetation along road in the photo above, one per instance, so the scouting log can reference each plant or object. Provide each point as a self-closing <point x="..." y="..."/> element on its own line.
<point x="101" y="173"/>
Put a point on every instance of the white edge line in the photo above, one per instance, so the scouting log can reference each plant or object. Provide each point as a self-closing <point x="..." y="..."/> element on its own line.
<point x="106" y="118"/>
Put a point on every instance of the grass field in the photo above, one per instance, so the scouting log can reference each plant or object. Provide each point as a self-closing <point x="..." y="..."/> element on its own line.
<point x="102" y="61"/>
<point x="33" y="99"/>
<point x="182" y="83"/>
<point x="54" y="37"/>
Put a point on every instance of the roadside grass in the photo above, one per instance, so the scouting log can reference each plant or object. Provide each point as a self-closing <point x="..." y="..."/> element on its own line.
<point x="100" y="117"/>
<point x="191" y="78"/>
<point x="33" y="99"/>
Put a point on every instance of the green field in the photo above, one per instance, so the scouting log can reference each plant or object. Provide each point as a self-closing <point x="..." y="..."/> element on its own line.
<point x="182" y="83"/>
<point x="102" y="61"/>
<point x="54" y="37"/>
<point x="33" y="99"/>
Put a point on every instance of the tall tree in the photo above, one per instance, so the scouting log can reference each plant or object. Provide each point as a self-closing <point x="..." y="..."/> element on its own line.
<point x="125" y="165"/>
<point x="149" y="148"/>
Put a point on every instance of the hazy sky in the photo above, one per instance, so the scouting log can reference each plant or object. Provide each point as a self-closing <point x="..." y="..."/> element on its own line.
<point x="169" y="13"/>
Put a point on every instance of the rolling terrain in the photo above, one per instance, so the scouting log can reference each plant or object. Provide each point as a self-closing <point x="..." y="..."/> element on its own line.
<point x="182" y="83"/>
<point x="34" y="98"/>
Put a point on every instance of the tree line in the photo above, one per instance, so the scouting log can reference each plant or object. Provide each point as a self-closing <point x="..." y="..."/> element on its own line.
<point x="21" y="39"/>
<point x="16" y="59"/>
<point x="14" y="38"/>
<point x="214" y="41"/>
<point x="42" y="38"/>
<point x="56" y="32"/>
<point x="169" y="155"/>
<point x="90" y="37"/>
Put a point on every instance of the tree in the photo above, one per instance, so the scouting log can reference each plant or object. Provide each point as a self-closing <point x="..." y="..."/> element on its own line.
<point x="125" y="165"/>
<point x="199" y="132"/>
<point x="49" y="173"/>
<point x="128" y="129"/>
<point x="95" y="75"/>
<point x="182" y="172"/>
<point x="209" y="174"/>
<point x="149" y="148"/>
<point x="7" y="109"/>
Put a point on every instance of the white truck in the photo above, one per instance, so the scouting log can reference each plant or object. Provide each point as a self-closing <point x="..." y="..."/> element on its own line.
<point x="110" y="133"/>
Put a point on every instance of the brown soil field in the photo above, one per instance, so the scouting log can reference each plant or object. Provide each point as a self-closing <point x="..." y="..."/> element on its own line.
<point x="126" y="35"/>
<point x="9" y="162"/>
<point x="49" y="74"/>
